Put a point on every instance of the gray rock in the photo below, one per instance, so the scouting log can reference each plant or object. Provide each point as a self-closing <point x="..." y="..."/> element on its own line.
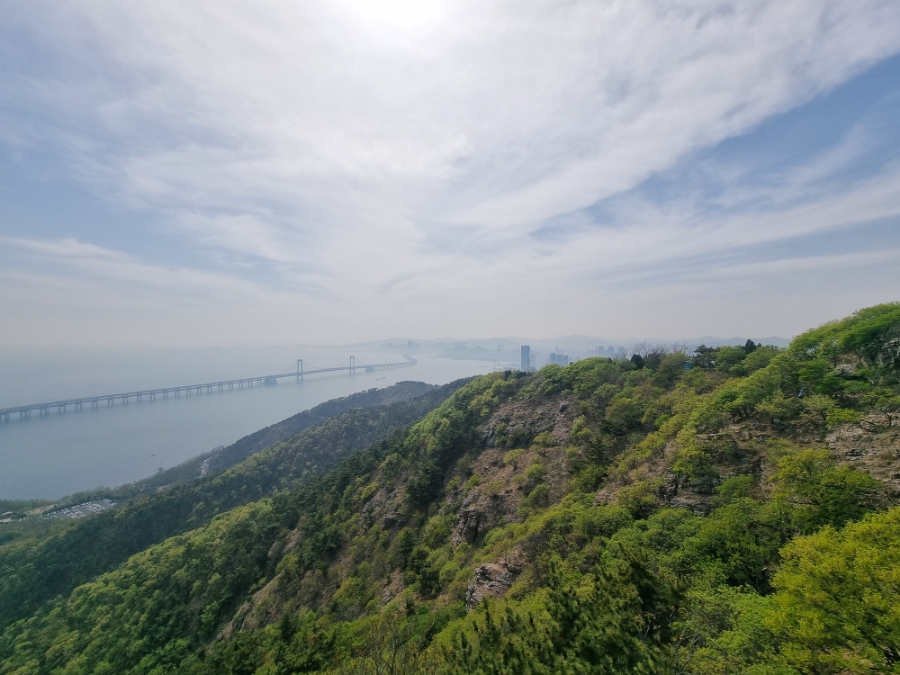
<point x="467" y="525"/>
<point x="491" y="580"/>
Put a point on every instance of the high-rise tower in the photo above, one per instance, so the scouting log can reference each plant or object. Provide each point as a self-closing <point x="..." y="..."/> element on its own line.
<point x="526" y="358"/>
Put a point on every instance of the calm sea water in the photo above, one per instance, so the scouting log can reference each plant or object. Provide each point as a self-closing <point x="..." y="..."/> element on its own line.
<point x="65" y="453"/>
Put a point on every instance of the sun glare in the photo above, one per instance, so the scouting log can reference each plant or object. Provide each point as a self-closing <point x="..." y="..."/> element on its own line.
<point x="390" y="16"/>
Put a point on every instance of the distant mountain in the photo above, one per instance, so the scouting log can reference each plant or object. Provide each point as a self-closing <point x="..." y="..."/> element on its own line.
<point x="456" y="348"/>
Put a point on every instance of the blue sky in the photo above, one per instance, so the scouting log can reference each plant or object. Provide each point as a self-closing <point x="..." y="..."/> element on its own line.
<point x="224" y="174"/>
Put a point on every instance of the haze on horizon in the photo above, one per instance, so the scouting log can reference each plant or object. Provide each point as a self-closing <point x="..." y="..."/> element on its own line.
<point x="224" y="173"/>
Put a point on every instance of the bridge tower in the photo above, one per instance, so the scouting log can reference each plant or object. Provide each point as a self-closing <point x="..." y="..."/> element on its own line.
<point x="299" y="370"/>
<point x="353" y="365"/>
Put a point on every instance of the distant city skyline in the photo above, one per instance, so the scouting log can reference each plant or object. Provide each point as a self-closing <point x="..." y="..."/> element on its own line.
<point x="213" y="173"/>
<point x="580" y="342"/>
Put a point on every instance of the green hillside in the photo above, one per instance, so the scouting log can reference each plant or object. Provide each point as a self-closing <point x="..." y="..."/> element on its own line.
<point x="727" y="511"/>
<point x="49" y="563"/>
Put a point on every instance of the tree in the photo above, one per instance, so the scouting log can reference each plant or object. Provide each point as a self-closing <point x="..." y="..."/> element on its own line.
<point x="819" y="493"/>
<point x="614" y="622"/>
<point x="837" y="609"/>
<point x="729" y="357"/>
<point x="705" y="357"/>
<point x="637" y="360"/>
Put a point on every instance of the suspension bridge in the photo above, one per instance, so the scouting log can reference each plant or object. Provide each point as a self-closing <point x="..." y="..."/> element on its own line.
<point x="43" y="409"/>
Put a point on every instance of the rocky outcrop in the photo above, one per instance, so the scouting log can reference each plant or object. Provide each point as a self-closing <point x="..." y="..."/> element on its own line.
<point x="467" y="526"/>
<point x="876" y="451"/>
<point x="491" y="580"/>
<point x="889" y="355"/>
<point x="394" y="587"/>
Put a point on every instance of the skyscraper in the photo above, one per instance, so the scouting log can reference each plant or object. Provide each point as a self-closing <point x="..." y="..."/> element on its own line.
<point x="526" y="358"/>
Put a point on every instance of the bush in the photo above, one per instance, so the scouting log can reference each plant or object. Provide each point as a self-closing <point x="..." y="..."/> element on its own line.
<point x="538" y="497"/>
<point x="536" y="472"/>
<point x="512" y="458"/>
<point x="640" y="499"/>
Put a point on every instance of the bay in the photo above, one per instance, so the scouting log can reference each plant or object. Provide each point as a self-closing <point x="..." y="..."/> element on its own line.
<point x="64" y="453"/>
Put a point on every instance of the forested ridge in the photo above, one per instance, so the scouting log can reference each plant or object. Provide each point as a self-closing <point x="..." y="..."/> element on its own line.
<point x="221" y="458"/>
<point x="732" y="510"/>
<point x="46" y="564"/>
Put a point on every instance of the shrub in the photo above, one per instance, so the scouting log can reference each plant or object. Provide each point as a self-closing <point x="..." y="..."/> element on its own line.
<point x="512" y="458"/>
<point x="538" y="497"/>
<point x="493" y="488"/>
<point x="536" y="472"/>
<point x="640" y="499"/>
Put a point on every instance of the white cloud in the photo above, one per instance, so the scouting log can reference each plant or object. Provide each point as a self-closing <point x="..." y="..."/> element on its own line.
<point x="390" y="155"/>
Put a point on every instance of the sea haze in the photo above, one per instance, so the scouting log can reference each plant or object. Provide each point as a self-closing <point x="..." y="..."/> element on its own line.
<point x="68" y="452"/>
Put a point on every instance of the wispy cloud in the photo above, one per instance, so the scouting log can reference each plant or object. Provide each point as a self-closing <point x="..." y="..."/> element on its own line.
<point x="388" y="157"/>
<point x="114" y="267"/>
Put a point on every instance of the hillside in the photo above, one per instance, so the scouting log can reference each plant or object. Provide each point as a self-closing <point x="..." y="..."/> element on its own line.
<point x="727" y="511"/>
<point x="42" y="565"/>
<point x="222" y="458"/>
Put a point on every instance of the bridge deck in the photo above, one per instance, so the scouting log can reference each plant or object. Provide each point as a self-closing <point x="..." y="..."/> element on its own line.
<point x="187" y="390"/>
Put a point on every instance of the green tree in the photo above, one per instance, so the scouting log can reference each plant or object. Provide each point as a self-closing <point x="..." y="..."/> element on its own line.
<point x="614" y="622"/>
<point x="819" y="493"/>
<point x="705" y="357"/>
<point x="760" y="358"/>
<point x="837" y="590"/>
<point x="739" y="541"/>
<point x="729" y="357"/>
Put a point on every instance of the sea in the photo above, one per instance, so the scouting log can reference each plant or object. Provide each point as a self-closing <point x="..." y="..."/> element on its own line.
<point x="63" y="453"/>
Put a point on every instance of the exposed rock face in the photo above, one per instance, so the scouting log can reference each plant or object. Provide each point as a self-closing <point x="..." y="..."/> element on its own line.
<point x="254" y="613"/>
<point x="606" y="496"/>
<point x="692" y="503"/>
<point x="390" y="518"/>
<point x="516" y="424"/>
<point x="704" y="485"/>
<point x="889" y="355"/>
<point x="846" y="370"/>
<point x="876" y="451"/>
<point x="393" y="589"/>
<point x="480" y="512"/>
<point x="467" y="525"/>
<point x="491" y="580"/>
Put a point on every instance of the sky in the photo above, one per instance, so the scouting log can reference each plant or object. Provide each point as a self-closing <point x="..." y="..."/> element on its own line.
<point x="234" y="173"/>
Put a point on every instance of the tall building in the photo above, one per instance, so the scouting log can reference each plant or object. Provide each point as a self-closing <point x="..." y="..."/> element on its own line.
<point x="559" y="359"/>
<point x="526" y="358"/>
